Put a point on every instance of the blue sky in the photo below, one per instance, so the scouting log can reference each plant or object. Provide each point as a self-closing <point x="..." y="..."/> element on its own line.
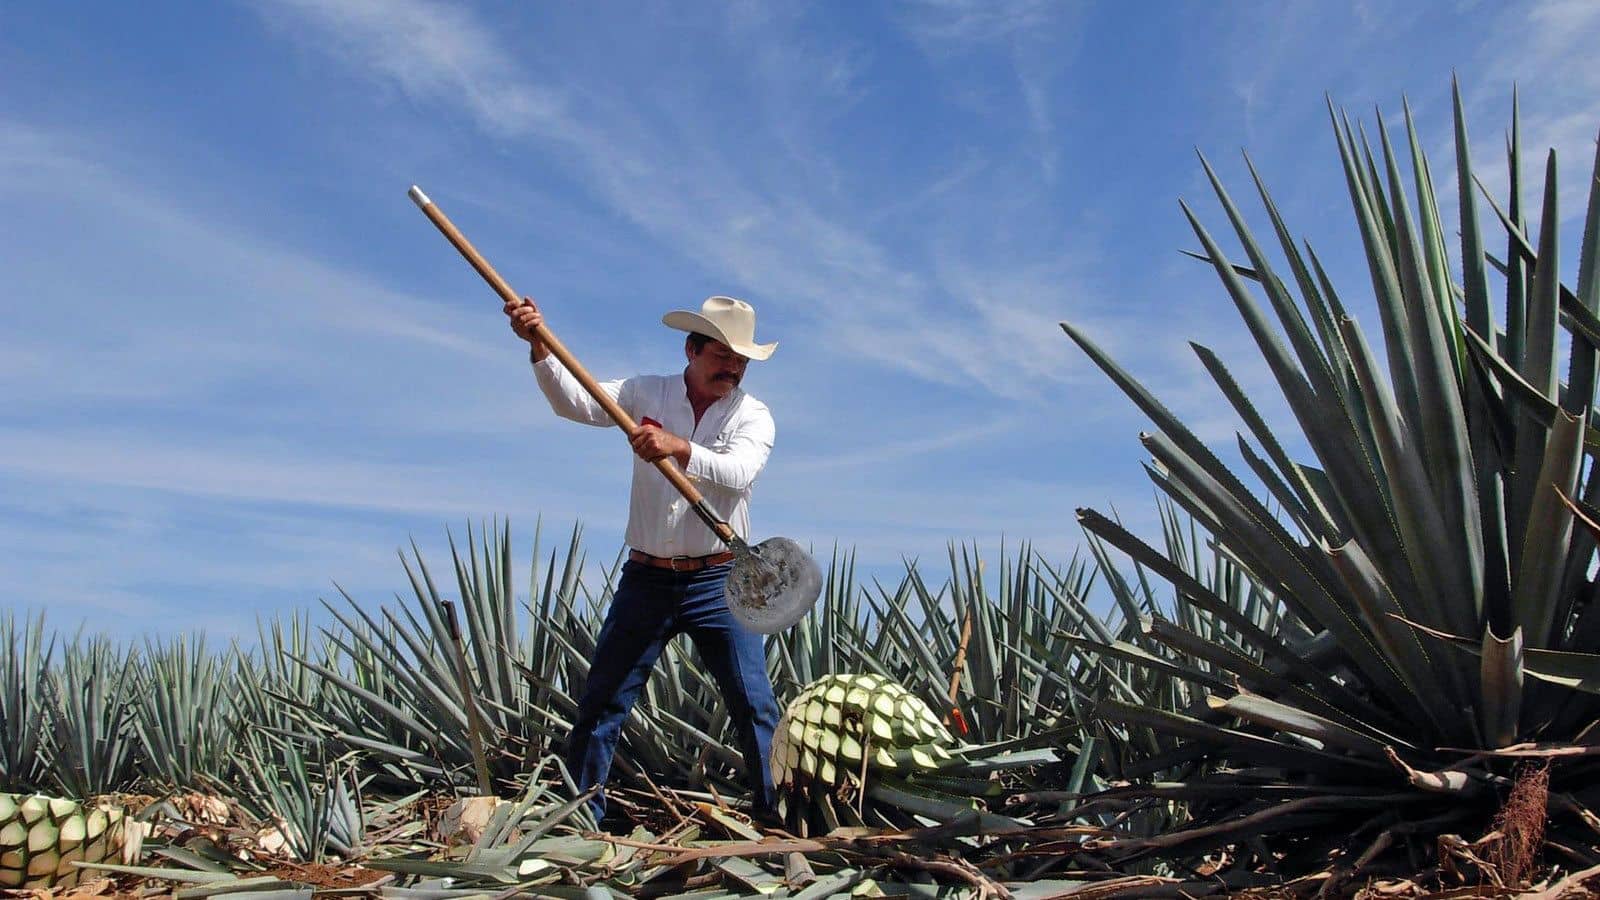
<point x="238" y="366"/>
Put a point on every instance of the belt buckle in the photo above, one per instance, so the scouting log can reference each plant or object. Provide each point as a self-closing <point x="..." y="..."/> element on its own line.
<point x="672" y="563"/>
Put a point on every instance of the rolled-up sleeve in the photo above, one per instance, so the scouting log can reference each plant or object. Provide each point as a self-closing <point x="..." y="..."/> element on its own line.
<point x="568" y="398"/>
<point x="736" y="463"/>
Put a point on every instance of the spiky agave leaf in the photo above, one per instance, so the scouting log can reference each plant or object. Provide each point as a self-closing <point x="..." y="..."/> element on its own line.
<point x="388" y="678"/>
<point x="1434" y="507"/>
<point x="1120" y="660"/>
<point x="313" y="800"/>
<point x="986" y="642"/>
<point x="25" y="660"/>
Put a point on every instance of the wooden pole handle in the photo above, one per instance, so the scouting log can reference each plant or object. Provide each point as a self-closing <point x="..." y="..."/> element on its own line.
<point x="665" y="464"/>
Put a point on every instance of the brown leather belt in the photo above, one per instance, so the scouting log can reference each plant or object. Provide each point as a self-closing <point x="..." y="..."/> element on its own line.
<point x="681" y="563"/>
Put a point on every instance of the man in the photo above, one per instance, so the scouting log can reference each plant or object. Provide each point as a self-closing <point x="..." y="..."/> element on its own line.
<point x="673" y="580"/>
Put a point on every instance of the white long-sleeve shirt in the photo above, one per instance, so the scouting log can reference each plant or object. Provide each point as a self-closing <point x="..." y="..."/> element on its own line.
<point x="727" y="450"/>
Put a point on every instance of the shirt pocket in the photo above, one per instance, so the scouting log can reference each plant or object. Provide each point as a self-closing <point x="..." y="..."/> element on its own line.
<point x="723" y="438"/>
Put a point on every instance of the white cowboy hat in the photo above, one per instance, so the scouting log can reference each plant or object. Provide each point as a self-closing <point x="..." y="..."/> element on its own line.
<point x="733" y="322"/>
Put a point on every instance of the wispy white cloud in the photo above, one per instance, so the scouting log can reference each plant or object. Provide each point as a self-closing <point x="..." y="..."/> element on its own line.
<point x="685" y="188"/>
<point x="1041" y="39"/>
<point x="958" y="25"/>
<point x="188" y="305"/>
<point x="1535" y="47"/>
<point x="435" y="53"/>
<point x="255" y="471"/>
<point x="899" y="451"/>
<point x="233" y="303"/>
<point x="912" y="240"/>
<point x="135" y="561"/>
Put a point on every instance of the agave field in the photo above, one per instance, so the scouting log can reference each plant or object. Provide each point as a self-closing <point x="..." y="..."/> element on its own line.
<point x="1367" y="671"/>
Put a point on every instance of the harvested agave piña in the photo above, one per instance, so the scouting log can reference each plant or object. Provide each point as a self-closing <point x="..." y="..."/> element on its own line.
<point x="41" y="837"/>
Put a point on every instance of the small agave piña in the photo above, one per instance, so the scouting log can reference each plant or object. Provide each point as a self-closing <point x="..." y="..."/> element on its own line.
<point x="863" y="750"/>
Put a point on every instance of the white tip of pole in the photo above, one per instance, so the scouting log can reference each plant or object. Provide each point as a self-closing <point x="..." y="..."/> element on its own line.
<point x="418" y="197"/>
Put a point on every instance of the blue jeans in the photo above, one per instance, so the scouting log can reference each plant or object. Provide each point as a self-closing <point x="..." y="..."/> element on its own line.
<point x="648" y="608"/>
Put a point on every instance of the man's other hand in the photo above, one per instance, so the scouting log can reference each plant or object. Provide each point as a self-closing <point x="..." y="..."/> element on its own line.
<point x="525" y="318"/>
<point x="652" y="443"/>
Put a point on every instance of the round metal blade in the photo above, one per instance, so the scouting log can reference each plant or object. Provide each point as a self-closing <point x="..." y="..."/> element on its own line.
<point x="773" y="586"/>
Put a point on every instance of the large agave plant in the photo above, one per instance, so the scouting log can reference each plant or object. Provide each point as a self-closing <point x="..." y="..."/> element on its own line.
<point x="1439" y="615"/>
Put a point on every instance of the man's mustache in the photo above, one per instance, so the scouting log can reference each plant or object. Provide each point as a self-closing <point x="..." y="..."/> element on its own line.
<point x="726" y="376"/>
